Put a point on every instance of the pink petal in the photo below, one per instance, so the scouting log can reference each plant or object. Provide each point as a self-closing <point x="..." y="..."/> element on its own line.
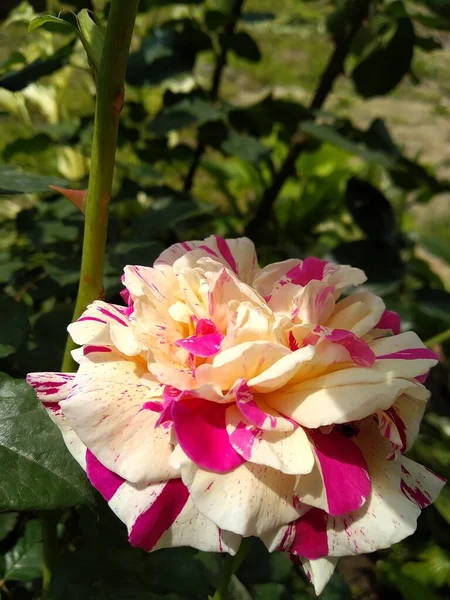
<point x="389" y="320"/>
<point x="310" y="535"/>
<point x="311" y="268"/>
<point x="105" y="481"/>
<point x="344" y="471"/>
<point x="359" y="351"/>
<point x="200" y="428"/>
<point x="160" y="516"/>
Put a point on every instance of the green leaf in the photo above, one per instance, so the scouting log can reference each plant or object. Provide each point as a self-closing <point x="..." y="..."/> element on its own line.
<point x="50" y="23"/>
<point x="135" y="253"/>
<point x="24" y="561"/>
<point x="15" y="326"/>
<point x="327" y="133"/>
<point x="16" y="181"/>
<point x="37" y="143"/>
<point x="247" y="147"/>
<point x="17" y="80"/>
<point x="242" y="45"/>
<point x="190" y="111"/>
<point x="91" y="37"/>
<point x="38" y="471"/>
<point x="166" y="53"/>
<point x="7" y="524"/>
<point x="383" y="69"/>
<point x="370" y="209"/>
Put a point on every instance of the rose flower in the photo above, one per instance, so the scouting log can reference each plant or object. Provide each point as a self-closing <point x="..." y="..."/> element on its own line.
<point x="226" y="401"/>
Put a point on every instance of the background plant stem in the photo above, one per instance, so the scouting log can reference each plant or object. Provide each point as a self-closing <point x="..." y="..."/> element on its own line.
<point x="49" y="521"/>
<point x="334" y="68"/>
<point x="110" y="92"/>
<point x="232" y="564"/>
<point x="221" y="62"/>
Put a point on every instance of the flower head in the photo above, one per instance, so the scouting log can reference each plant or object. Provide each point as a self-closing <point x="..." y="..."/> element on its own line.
<point x="226" y="401"/>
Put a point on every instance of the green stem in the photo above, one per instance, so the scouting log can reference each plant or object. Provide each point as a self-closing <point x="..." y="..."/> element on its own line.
<point x="110" y="90"/>
<point x="49" y="521"/>
<point x="232" y="564"/>
<point x="440" y="338"/>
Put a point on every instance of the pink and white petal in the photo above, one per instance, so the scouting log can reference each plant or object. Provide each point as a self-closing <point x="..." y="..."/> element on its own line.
<point x="404" y="354"/>
<point x="316" y="403"/>
<point x="338" y="459"/>
<point x="200" y="427"/>
<point x="107" y="417"/>
<point x="388" y="517"/>
<point x="289" y="453"/>
<point x="238" y="255"/>
<point x="420" y="485"/>
<point x="400" y="423"/>
<point x="343" y="276"/>
<point x="255" y="410"/>
<point x="319" y="571"/>
<point x="244" y="361"/>
<point x="261" y="498"/>
<point x="97" y="323"/>
<point x="268" y="277"/>
<point x="358" y="313"/>
<point x="305" y="537"/>
<point x="163" y="516"/>
<point x="51" y="387"/>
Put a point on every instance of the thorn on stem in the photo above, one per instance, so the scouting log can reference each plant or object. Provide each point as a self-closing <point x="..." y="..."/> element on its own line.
<point x="76" y="197"/>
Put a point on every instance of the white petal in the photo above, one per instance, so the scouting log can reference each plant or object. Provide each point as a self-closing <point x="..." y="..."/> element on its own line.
<point x="319" y="571"/>
<point x="358" y="313"/>
<point x="104" y="409"/>
<point x="288" y="452"/>
<point x="248" y="501"/>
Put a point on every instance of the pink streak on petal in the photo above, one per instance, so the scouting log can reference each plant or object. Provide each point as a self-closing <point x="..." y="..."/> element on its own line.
<point x="311" y="268"/>
<point x="108" y="313"/>
<point x="204" y="346"/>
<point x="311" y="540"/>
<point x="416" y="495"/>
<point x="423" y="378"/>
<point x="359" y="351"/>
<point x="160" y="516"/>
<point x="226" y="253"/>
<point x="91" y="319"/>
<point x="344" y="471"/>
<point x="201" y="431"/>
<point x="400" y="425"/>
<point x="411" y="354"/>
<point x="186" y="246"/>
<point x="389" y="320"/>
<point x="88" y="349"/>
<point x="209" y="250"/>
<point x="293" y="345"/>
<point x="104" y="480"/>
<point x="154" y="406"/>
<point x="249" y="408"/>
<point x="53" y="406"/>
<point x="244" y="437"/>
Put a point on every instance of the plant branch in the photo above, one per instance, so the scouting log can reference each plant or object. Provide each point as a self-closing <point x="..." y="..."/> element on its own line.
<point x="49" y="521"/>
<point x="110" y="93"/>
<point x="334" y="68"/>
<point x="215" y="86"/>
<point x="232" y="564"/>
<point x="440" y="338"/>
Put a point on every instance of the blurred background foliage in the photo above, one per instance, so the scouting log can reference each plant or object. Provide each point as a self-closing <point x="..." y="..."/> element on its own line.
<point x="317" y="127"/>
